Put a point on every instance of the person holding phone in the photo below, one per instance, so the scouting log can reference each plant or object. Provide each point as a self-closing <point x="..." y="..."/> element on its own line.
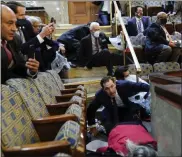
<point x="12" y="63"/>
<point x="42" y="47"/>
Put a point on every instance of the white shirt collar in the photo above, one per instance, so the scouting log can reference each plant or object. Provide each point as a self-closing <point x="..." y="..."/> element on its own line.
<point x="138" y="18"/>
<point x="4" y="40"/>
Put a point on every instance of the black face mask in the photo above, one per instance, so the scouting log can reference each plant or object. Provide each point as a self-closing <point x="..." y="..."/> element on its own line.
<point x="163" y="21"/>
<point x="21" y="22"/>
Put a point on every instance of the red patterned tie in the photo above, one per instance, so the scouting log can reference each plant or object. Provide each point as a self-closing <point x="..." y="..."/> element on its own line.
<point x="8" y="52"/>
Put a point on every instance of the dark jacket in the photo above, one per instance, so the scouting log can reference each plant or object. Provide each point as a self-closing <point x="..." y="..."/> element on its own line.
<point x="132" y="26"/>
<point x="27" y="30"/>
<point x="155" y="39"/>
<point x="86" y="47"/>
<point x="125" y="89"/>
<point x="18" y="70"/>
<point x="44" y="55"/>
<point x="71" y="39"/>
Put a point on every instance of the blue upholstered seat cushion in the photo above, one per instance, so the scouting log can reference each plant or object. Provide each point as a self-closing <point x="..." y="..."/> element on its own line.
<point x="166" y="66"/>
<point x="70" y="131"/>
<point x="76" y="110"/>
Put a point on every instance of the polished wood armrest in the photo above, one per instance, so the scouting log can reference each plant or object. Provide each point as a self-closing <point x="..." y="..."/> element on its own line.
<point x="59" y="108"/>
<point x="48" y="127"/>
<point x="57" y="118"/>
<point x="68" y="91"/>
<point x="38" y="149"/>
<point x="65" y="97"/>
<point x="67" y="86"/>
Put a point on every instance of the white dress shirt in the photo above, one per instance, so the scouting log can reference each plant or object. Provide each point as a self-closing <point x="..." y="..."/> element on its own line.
<point x="168" y="37"/>
<point x="119" y="102"/>
<point x="94" y="48"/>
<point x="137" y="23"/>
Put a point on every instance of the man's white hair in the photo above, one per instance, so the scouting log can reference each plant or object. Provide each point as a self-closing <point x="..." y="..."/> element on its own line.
<point x="34" y="19"/>
<point x="93" y="24"/>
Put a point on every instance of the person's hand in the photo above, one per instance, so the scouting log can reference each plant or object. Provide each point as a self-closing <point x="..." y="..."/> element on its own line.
<point x="94" y="131"/>
<point x="172" y="44"/>
<point x="47" y="30"/>
<point x="32" y="65"/>
<point x="62" y="49"/>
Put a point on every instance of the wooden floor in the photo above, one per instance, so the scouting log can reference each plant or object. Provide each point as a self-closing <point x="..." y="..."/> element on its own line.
<point x="80" y="72"/>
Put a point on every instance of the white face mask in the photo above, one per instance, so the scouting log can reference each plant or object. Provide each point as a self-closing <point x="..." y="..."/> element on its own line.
<point x="96" y="34"/>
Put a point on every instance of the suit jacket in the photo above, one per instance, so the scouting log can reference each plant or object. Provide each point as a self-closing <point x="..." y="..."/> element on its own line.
<point x="156" y="37"/>
<point x="86" y="47"/>
<point x="71" y="39"/>
<point x="18" y="70"/>
<point x="125" y="89"/>
<point x="27" y="30"/>
<point x="44" y="55"/>
<point x="132" y="26"/>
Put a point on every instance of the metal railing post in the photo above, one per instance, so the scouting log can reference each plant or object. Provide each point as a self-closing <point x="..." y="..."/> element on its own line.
<point x="138" y="68"/>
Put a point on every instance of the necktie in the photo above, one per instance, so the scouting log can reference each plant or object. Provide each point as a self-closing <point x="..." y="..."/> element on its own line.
<point x="139" y="26"/>
<point x="97" y="44"/>
<point x="115" y="111"/>
<point x="8" y="52"/>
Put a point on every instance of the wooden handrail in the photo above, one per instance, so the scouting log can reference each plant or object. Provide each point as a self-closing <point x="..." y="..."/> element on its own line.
<point x="138" y="68"/>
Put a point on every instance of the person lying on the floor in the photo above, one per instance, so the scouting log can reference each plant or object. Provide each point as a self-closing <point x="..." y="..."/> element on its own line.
<point x="131" y="139"/>
<point x="114" y="97"/>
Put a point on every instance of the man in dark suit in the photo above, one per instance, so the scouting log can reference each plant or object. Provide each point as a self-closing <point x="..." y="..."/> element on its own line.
<point x="25" y="29"/>
<point x="12" y="63"/>
<point x="71" y="40"/>
<point x="139" y="23"/>
<point x="114" y="97"/>
<point x="94" y="50"/>
<point x="41" y="46"/>
<point x="159" y="46"/>
<point x="34" y="43"/>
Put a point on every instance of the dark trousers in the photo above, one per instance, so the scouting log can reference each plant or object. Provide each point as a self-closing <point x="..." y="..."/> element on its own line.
<point x="105" y="58"/>
<point x="124" y="115"/>
<point x="104" y="18"/>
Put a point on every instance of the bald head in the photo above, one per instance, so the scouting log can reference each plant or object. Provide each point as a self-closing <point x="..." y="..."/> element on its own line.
<point x="162" y="18"/>
<point x="8" y="23"/>
<point x="6" y="10"/>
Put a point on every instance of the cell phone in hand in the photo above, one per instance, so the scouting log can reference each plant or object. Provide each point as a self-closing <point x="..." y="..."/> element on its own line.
<point x="31" y="52"/>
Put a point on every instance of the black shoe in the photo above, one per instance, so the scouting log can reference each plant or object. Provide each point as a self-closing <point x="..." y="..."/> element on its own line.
<point x="110" y="74"/>
<point x="89" y="68"/>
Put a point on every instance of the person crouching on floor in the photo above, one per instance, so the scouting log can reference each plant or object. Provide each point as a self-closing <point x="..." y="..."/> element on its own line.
<point x="114" y="97"/>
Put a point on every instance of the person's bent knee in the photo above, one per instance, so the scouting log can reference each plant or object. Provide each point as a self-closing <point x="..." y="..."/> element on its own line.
<point x="167" y="49"/>
<point x="106" y="51"/>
